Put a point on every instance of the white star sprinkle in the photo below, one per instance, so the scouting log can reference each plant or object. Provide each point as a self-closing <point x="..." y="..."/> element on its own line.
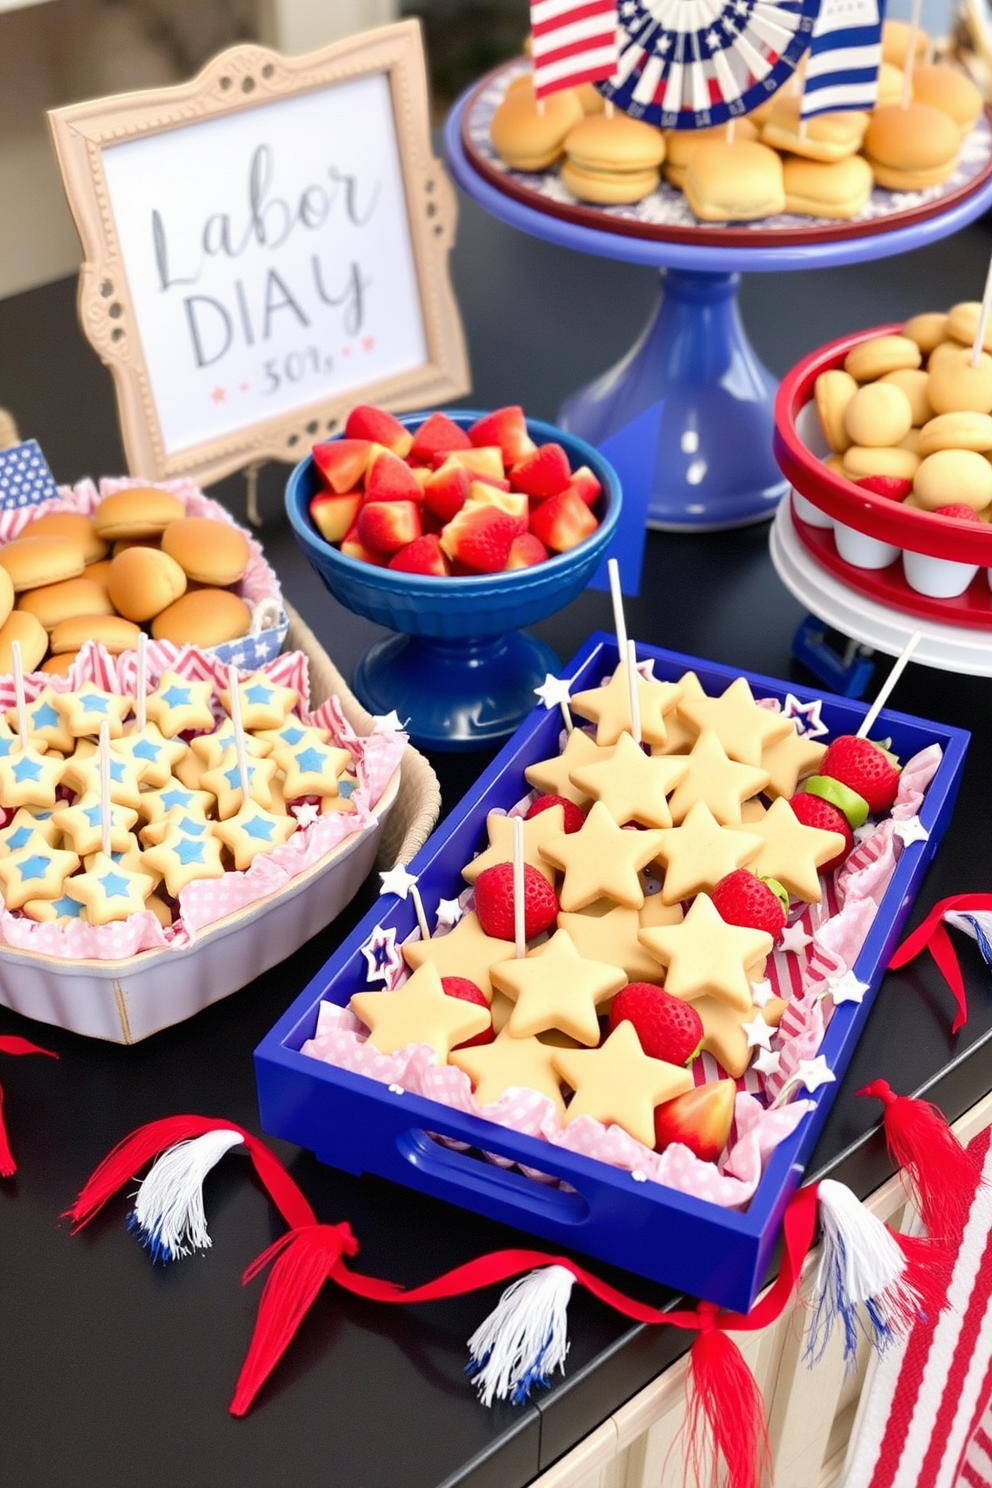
<point x="813" y="1073"/>
<point x="638" y="1175"/>
<point x="449" y="912"/>
<point x="761" y="992"/>
<point x="847" y="988"/>
<point x="388" y="723"/>
<point x="910" y="831"/>
<point x="759" y="1034"/>
<point x="306" y="813"/>
<point x="768" y="1062"/>
<point x="807" y="715"/>
<point x="554" y="691"/>
<point x="794" y="938"/>
<point x="382" y="956"/>
<point x="395" y="1089"/>
<point x="397" y="881"/>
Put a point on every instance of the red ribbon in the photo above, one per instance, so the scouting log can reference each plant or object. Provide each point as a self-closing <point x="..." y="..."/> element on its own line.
<point x="932" y="935"/>
<point x="14" y="1044"/>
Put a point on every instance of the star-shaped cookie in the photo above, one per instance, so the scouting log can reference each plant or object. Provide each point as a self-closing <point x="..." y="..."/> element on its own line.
<point x="83" y="824"/>
<point x="704" y="956"/>
<point x="225" y="782"/>
<point x="179" y="705"/>
<point x="601" y="860"/>
<point x="718" y="780"/>
<point x="510" y="1063"/>
<point x="632" y="784"/>
<point x="465" y="951"/>
<point x="790" y="760"/>
<point x="34" y="871"/>
<point x="608" y="707"/>
<point x="540" y="828"/>
<point x="109" y="891"/>
<point x="608" y="932"/>
<point x="310" y="768"/>
<point x="264" y="704"/>
<point x="181" y="859"/>
<point x="742" y="727"/>
<point x="724" y="1034"/>
<point x="85" y="709"/>
<point x="81" y="773"/>
<point x="27" y="819"/>
<point x="46" y="724"/>
<point x="699" y="852"/>
<point x="619" y="1084"/>
<point x="251" y="831"/>
<point x="553" y="775"/>
<point x="793" y="852"/>
<point x="681" y="734"/>
<point x="153" y="755"/>
<point x="28" y="778"/>
<point x="419" y="1012"/>
<point x="554" y="987"/>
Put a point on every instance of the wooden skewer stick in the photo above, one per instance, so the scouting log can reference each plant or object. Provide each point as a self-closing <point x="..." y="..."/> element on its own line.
<point x="105" y="787"/>
<point x="910" y="60"/>
<point x="418" y="909"/>
<point x="239" y="734"/>
<point x="22" y="712"/>
<point x="900" y="666"/>
<point x="619" y="623"/>
<point x="978" y="344"/>
<point x="519" y="927"/>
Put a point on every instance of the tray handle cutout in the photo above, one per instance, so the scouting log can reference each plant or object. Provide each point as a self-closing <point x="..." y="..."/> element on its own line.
<point x="469" y="1170"/>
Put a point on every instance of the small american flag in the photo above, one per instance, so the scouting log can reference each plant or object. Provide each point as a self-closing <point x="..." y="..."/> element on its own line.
<point x="844" y="57"/>
<point x="573" y="41"/>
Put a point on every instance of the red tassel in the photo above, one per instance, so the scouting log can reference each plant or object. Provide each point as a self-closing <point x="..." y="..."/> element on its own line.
<point x="942" y="1177"/>
<point x="302" y="1260"/>
<point x="8" y="1166"/>
<point x="14" y="1044"/>
<point x="724" y="1405"/>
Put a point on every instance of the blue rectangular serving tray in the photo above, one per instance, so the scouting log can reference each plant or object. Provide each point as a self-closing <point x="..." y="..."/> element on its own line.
<point x="362" y="1126"/>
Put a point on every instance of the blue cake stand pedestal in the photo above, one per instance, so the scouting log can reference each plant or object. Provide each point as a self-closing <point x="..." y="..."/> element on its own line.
<point x="707" y="449"/>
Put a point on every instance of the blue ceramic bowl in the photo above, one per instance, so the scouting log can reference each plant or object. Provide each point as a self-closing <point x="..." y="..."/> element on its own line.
<point x="453" y="608"/>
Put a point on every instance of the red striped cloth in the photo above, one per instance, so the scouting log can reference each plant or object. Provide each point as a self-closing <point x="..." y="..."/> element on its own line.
<point x="925" y="1417"/>
<point x="572" y="41"/>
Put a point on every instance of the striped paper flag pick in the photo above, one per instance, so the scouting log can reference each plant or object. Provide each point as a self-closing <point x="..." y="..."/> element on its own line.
<point x="844" y="58"/>
<point x="573" y="41"/>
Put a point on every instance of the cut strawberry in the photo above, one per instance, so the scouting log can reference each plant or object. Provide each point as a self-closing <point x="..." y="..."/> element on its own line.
<point x="479" y="537"/>
<point x="342" y="462"/>
<point x="387" y="526"/>
<point x="525" y="551"/>
<point x="863" y="767"/>
<point x="369" y="422"/>
<point x="333" y="515"/>
<point x="483" y="461"/>
<point x="494" y="901"/>
<point x="959" y="512"/>
<point x="574" y="816"/>
<point x="446" y="490"/>
<point x="701" y="1120"/>
<point x="466" y="991"/>
<point x="814" y="811"/>
<point x="391" y="479"/>
<point x="562" y="522"/>
<point x="352" y="545"/>
<point x="507" y="428"/>
<point x="422" y="556"/>
<point x="544" y="473"/>
<point x="585" y="485"/>
<point x="436" y="435"/>
<point x="894" y="487"/>
<point x="666" y="1027"/>
<point x="514" y="503"/>
<point x="742" y="898"/>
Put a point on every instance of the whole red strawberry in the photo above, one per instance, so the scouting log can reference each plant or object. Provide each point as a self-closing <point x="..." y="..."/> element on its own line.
<point x="494" y="901"/>
<point x="574" y="815"/>
<point x="742" y="898"/>
<point x="814" y="811"/>
<point x="667" y="1027"/>
<point x="467" y="991"/>
<point x="863" y="767"/>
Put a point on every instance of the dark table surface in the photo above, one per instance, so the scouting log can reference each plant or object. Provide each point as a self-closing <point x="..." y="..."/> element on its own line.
<point x="115" y="1373"/>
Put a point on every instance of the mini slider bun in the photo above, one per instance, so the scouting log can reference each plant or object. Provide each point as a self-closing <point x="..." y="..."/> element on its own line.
<point x="113" y="632"/>
<point x="895" y="42"/>
<point x="682" y="144"/>
<point x="137" y="511"/>
<point x="889" y="85"/>
<point x="612" y="159"/>
<point x="52" y="603"/>
<point x="74" y="525"/>
<point x="144" y="581"/>
<point x="204" y="617"/>
<point x="528" y="138"/>
<point x="835" y="189"/>
<point x="33" y="638"/>
<point x="950" y="90"/>
<point x="737" y="182"/>
<point x="911" y="148"/>
<point x="33" y="561"/>
<point x="209" y="552"/>
<point x="821" y="137"/>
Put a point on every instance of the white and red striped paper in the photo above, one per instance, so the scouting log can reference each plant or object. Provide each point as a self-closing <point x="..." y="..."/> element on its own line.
<point x="573" y="41"/>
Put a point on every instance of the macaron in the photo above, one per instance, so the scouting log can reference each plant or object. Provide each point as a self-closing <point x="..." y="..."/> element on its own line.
<point x="927" y="330"/>
<point x="34" y="561"/>
<point x="612" y="159"/>
<point x="203" y="617"/>
<point x="530" y="138"/>
<point x="960" y="430"/>
<point x="33" y="638"/>
<point x="52" y="603"/>
<point x="138" y="511"/>
<point x="144" y="581"/>
<point x="962" y="324"/>
<point x="819" y="137"/>
<point x="113" y="632"/>
<point x="738" y="182"/>
<point x="837" y="189"/>
<point x="682" y="144"/>
<point x="953" y="476"/>
<point x="871" y="359"/>
<point x="210" y="552"/>
<point x="955" y="386"/>
<point x="913" y="382"/>
<point x="862" y="460"/>
<point x="74" y="525"/>
<point x="878" y="415"/>
<point x="911" y="148"/>
<point x="950" y="90"/>
<point x="832" y="392"/>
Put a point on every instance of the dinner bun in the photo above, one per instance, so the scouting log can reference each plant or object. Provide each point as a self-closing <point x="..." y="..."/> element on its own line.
<point x="737" y="182"/>
<point x="112" y="632"/>
<point x="682" y="144"/>
<point x="820" y="137"/>
<point x="33" y="561"/>
<point x="529" y="138"/>
<point x="55" y="602"/>
<point x="144" y="581"/>
<point x="835" y="189"/>
<point x="911" y="148"/>
<point x="74" y="525"/>
<point x="213" y="553"/>
<point x="950" y="90"/>
<point x="33" y="638"/>
<point x="203" y="617"/>
<point x="612" y="159"/>
<point x="137" y="511"/>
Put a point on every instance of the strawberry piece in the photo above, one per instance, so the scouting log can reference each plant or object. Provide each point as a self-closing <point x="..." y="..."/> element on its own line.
<point x="562" y="522"/>
<point x="742" y="898"/>
<point x="387" y="526"/>
<point x="863" y="767"/>
<point x="446" y="490"/>
<point x="507" y="428"/>
<point x="666" y="1027"/>
<point x="436" y="435"/>
<point x="574" y="816"/>
<point x="544" y="473"/>
<point x="466" y="991"/>
<point x="959" y="511"/>
<point x="352" y="545"/>
<point x="422" y="556"/>
<point x="391" y="479"/>
<point x="333" y="515"/>
<point x="342" y="462"/>
<point x="368" y="422"/>
<point x="585" y="485"/>
<point x="487" y="460"/>
<point x="701" y="1120"/>
<point x="494" y="901"/>
<point x="525" y="551"/>
<point x="814" y="811"/>
<point x="479" y="537"/>
<point x="894" y="487"/>
<point x="514" y="503"/>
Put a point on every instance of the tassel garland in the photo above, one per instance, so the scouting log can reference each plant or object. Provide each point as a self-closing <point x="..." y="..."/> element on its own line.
<point x="168" y="1215"/>
<point x="941" y="1175"/>
<point x="13" y="1044"/>
<point x="525" y="1339"/>
<point x="725" y="1408"/>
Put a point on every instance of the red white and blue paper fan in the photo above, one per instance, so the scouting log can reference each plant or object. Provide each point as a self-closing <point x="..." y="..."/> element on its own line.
<point x="689" y="64"/>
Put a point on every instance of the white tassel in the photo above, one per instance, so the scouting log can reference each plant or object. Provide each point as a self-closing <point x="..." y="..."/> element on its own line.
<point x="168" y="1215"/>
<point x="978" y="924"/>
<point x="525" y="1338"/>
<point x="861" y="1266"/>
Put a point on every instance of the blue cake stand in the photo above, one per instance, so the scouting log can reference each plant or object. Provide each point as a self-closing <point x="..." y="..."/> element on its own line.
<point x="690" y="405"/>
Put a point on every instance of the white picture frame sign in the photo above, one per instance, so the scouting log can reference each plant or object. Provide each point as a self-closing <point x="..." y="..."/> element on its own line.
<point x="264" y="247"/>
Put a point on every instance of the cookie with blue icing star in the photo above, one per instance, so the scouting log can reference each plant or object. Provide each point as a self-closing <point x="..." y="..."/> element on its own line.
<point x="225" y="783"/>
<point x="264" y="704"/>
<point x="82" y="824"/>
<point x="251" y="831"/>
<point x="347" y="786"/>
<point x="81" y="773"/>
<point x="179" y="705"/>
<point x="189" y="823"/>
<point x="35" y="871"/>
<point x="180" y="859"/>
<point x="85" y="709"/>
<point x="310" y="768"/>
<point x="21" y="825"/>
<point x="173" y="798"/>
<point x="46" y="724"/>
<point x="292" y="732"/>
<point x="153" y="755"/>
<point x="211" y="748"/>
<point x="109" y="891"/>
<point x="28" y="778"/>
<point x="44" y="911"/>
